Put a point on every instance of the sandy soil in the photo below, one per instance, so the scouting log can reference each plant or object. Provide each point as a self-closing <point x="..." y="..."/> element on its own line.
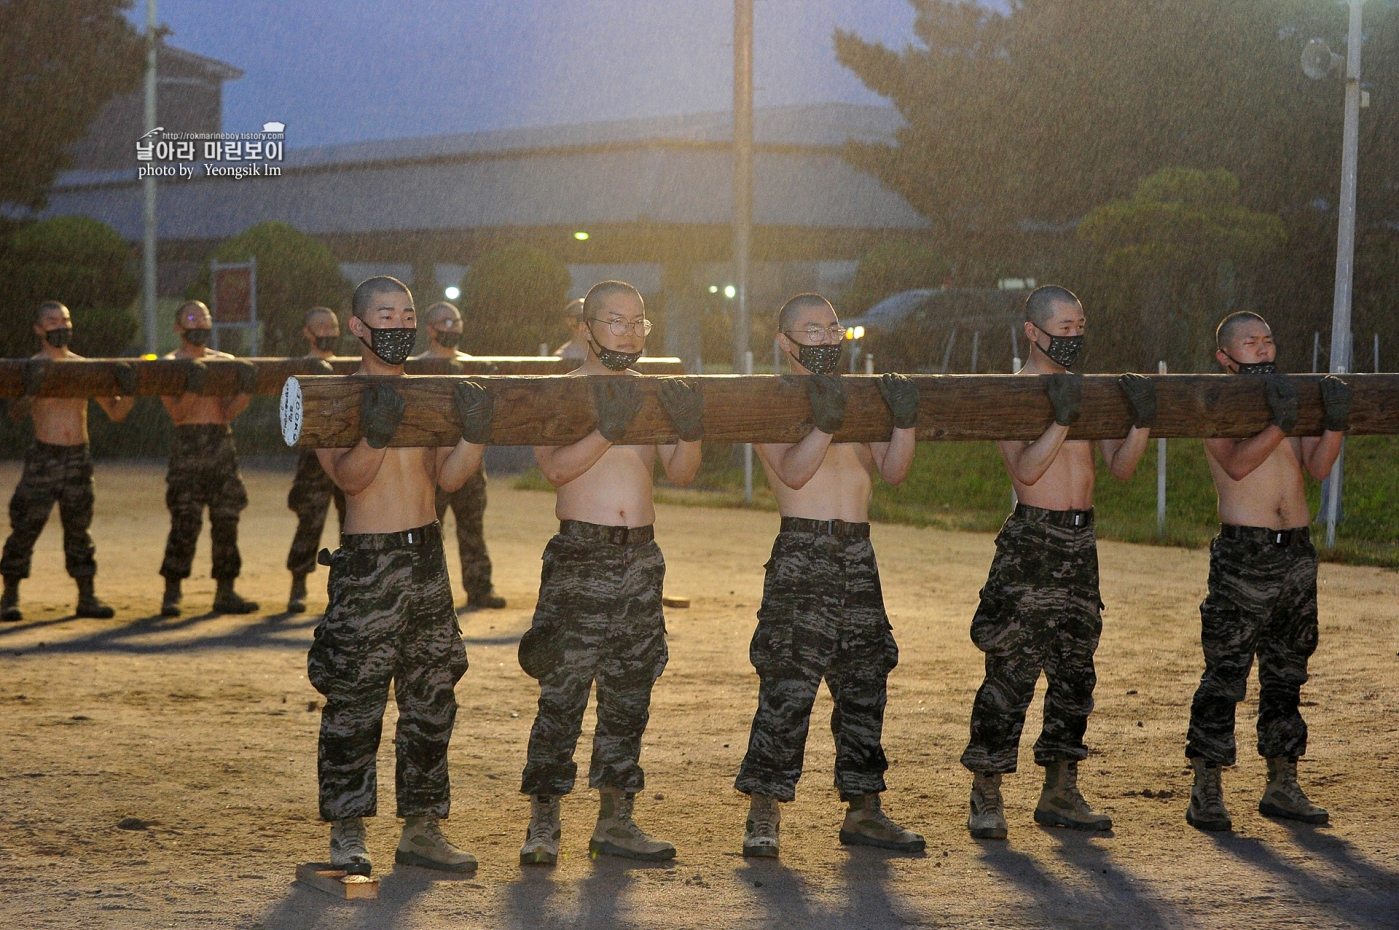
<point x="204" y="729"/>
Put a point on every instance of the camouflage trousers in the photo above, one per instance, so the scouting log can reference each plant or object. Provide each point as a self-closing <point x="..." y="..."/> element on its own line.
<point x="1261" y="602"/>
<point x="203" y="473"/>
<point x="822" y="616"/>
<point x="598" y="618"/>
<point x="311" y="494"/>
<point x="468" y="505"/>
<point x="390" y="618"/>
<point x="61" y="474"/>
<point x="1039" y="611"/>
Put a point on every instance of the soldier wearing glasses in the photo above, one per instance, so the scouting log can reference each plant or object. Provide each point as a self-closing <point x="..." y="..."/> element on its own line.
<point x="822" y="614"/>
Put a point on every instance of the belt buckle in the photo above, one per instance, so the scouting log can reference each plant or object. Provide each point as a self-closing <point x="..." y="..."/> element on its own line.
<point x="837" y="527"/>
<point x="1280" y="538"/>
<point x="413" y="540"/>
<point x="618" y="535"/>
<point x="1079" y="518"/>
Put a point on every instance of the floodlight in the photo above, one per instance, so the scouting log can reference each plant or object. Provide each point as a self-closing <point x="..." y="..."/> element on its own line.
<point x="1318" y="60"/>
<point x="452" y="293"/>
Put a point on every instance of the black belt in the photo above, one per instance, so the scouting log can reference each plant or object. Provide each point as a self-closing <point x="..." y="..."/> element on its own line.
<point x="617" y="535"/>
<point x="825" y="527"/>
<point x="1078" y="518"/>
<point x="1263" y="535"/>
<point x="418" y="536"/>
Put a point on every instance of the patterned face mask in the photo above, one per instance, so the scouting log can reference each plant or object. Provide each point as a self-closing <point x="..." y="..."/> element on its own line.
<point x="1063" y="350"/>
<point x="391" y="343"/>
<point x="326" y="343"/>
<point x="58" y="338"/>
<point x="197" y="337"/>
<point x="448" y="340"/>
<point x="611" y="359"/>
<point x="821" y="360"/>
<point x="1253" y="368"/>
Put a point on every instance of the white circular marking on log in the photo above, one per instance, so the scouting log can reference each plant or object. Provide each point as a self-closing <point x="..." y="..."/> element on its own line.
<point x="291" y="412"/>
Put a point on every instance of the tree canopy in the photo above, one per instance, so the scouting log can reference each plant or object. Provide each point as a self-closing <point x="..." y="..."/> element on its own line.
<point x="512" y="301"/>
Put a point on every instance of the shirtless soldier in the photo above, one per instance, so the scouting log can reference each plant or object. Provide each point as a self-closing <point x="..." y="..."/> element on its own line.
<point x="1039" y="609"/>
<point x="599" y="611"/>
<point x="57" y="468"/>
<point x="1262" y="586"/>
<point x="204" y="468"/>
<point x="391" y="614"/>
<point x="312" y="490"/>
<point x="823" y="611"/>
<point x="444" y="330"/>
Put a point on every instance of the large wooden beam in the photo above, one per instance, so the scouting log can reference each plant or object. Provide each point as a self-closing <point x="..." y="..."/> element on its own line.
<point x="323" y="411"/>
<point x="96" y="377"/>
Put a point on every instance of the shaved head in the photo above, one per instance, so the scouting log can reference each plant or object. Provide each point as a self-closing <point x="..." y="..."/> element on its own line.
<point x="370" y="289"/>
<point x="599" y="293"/>
<point x="48" y="306"/>
<point x="792" y="308"/>
<point x="1228" y="328"/>
<point x="316" y="312"/>
<point x="1043" y="301"/>
<point x="441" y="310"/>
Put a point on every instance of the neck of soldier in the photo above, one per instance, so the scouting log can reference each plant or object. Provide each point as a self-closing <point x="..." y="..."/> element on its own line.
<point x="191" y="350"/>
<point x="437" y="350"/>
<point x="53" y="353"/>
<point x="371" y="364"/>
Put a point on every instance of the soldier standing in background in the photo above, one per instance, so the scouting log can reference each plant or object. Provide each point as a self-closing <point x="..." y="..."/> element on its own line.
<point x="312" y="490"/>
<point x="204" y="468"/>
<point x="577" y="346"/>
<point x="444" y="330"/>
<point x="58" y="467"/>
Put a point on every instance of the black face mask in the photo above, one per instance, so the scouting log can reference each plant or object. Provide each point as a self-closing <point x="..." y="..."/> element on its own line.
<point x="327" y="343"/>
<point x="58" y="338"/>
<point x="1063" y="350"/>
<point x="821" y="360"/>
<point x="1253" y="368"/>
<point x="197" y="337"/>
<point x="391" y="343"/>
<point x="611" y="359"/>
<point x="447" y="340"/>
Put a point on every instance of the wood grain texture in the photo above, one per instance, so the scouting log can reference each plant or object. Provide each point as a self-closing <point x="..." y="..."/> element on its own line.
<point x="767" y="408"/>
<point x="95" y="378"/>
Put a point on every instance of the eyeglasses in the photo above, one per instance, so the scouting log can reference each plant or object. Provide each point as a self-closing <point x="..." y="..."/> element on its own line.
<point x="820" y="334"/>
<point x="622" y="327"/>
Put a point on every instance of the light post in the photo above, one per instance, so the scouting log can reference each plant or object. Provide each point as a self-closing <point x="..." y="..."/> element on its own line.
<point x="743" y="172"/>
<point x="148" y="247"/>
<point x="1317" y="62"/>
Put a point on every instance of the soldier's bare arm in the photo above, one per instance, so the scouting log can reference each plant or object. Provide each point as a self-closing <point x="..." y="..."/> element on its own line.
<point x="895" y="457"/>
<point x="456" y="465"/>
<point x="1319" y="453"/>
<point x="352" y="470"/>
<point x="684" y="405"/>
<point x="796" y="463"/>
<point x="1239" y="457"/>
<point x="116" y="408"/>
<point x="680" y="461"/>
<point x="561" y="464"/>
<point x="1028" y="461"/>
<point x="1123" y="455"/>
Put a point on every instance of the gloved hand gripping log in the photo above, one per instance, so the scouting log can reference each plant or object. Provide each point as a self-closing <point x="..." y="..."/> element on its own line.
<point x="783" y="409"/>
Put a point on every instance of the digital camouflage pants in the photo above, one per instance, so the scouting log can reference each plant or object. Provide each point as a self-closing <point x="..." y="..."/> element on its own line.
<point x="599" y="619"/>
<point x="390" y="618"/>
<point x="203" y="473"/>
<point x="52" y="474"/>
<point x="468" y="505"/>
<point x="1039" y="611"/>
<point x="311" y="494"/>
<point x="822" y="616"/>
<point x="1261" y="602"/>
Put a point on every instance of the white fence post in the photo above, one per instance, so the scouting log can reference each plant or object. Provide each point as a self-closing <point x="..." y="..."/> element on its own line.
<point x="1161" y="474"/>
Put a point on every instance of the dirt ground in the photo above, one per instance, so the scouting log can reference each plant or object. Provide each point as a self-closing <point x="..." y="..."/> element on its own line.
<point x="204" y="730"/>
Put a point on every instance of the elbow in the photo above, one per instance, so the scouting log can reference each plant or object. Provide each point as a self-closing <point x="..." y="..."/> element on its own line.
<point x="1028" y="480"/>
<point x="1124" y="474"/>
<point x="1318" y="472"/>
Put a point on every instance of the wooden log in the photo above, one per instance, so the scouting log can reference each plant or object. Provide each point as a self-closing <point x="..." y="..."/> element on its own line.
<point x="322" y="876"/>
<point x="95" y="377"/>
<point x="323" y="411"/>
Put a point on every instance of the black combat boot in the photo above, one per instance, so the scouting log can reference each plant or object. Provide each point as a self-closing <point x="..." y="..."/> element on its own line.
<point x="170" y="604"/>
<point x="228" y="601"/>
<point x="88" y="604"/>
<point x="9" y="601"/>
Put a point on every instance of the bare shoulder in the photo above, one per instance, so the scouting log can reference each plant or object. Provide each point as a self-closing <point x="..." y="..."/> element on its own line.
<point x="215" y="353"/>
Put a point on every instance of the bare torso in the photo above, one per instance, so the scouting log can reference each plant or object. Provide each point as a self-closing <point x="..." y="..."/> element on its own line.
<point x="190" y="409"/>
<point x="840" y="489"/>
<point x="1068" y="482"/>
<point x="1273" y="495"/>
<point x="401" y="496"/>
<point x="60" y="421"/>
<point x="616" y="491"/>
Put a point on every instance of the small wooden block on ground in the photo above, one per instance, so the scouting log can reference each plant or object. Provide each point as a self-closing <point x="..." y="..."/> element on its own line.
<point x="320" y="876"/>
<point x="668" y="601"/>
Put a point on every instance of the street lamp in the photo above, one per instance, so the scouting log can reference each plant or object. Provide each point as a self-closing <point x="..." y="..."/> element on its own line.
<point x="1317" y="62"/>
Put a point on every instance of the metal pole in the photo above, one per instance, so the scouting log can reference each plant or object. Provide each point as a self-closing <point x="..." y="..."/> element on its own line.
<point x="252" y="305"/>
<point x="1161" y="474"/>
<point x="1345" y="242"/>
<point x="1377" y="353"/>
<point x="747" y="446"/>
<point x="976" y="344"/>
<point x="1316" y="351"/>
<point x="869" y="364"/>
<point x="148" y="258"/>
<point x="743" y="170"/>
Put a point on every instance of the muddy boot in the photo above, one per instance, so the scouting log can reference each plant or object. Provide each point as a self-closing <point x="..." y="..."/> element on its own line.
<point x="170" y="604"/>
<point x="9" y="601"/>
<point x="618" y="835"/>
<point x="1061" y="805"/>
<point x="423" y="845"/>
<point x="296" y="602"/>
<point x="347" y="846"/>
<point x="228" y="601"/>
<point x="542" y="838"/>
<point x="1283" y="797"/>
<point x="475" y="600"/>
<point x="866" y="824"/>
<point x="88" y="604"/>
<point x="987" y="820"/>
<point x="760" y="831"/>
<point x="1207" y="810"/>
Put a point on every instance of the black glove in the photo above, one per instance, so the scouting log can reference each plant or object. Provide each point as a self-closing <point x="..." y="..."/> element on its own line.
<point x="1335" y="404"/>
<point x="827" y="394"/>
<point x="196" y="375"/>
<point x="901" y="396"/>
<point x="476" y="409"/>
<point x="1141" y="397"/>
<point x="380" y="412"/>
<point x="32" y="371"/>
<point x="126" y="378"/>
<point x="1064" y="391"/>
<point x="247" y="376"/>
<point x="1282" y="400"/>
<point x="617" y="401"/>
<point x="685" y="407"/>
